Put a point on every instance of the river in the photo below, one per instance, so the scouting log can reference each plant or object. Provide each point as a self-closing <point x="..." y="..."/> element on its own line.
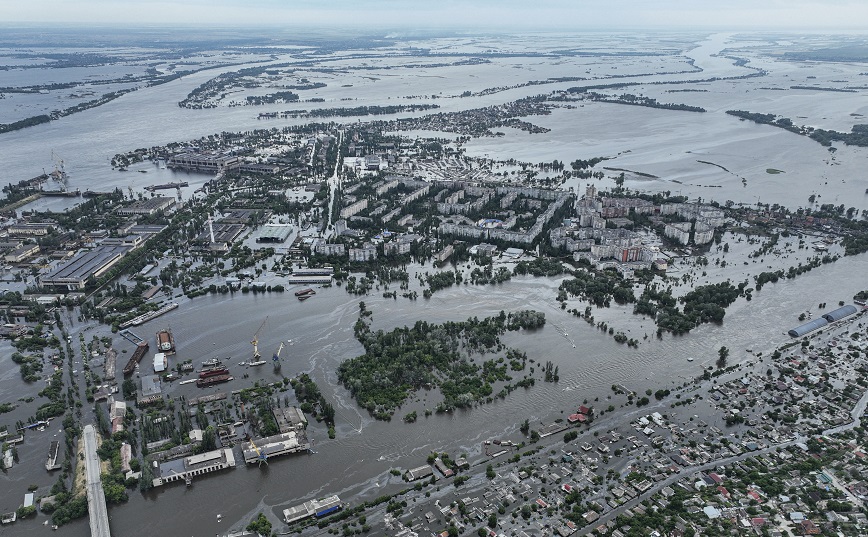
<point x="356" y="465"/>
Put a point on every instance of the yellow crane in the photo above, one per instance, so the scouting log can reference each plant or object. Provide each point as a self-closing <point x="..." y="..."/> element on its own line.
<point x="260" y="456"/>
<point x="255" y="341"/>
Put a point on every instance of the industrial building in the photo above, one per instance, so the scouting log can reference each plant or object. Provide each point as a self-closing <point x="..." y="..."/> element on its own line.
<point x="820" y="322"/>
<point x="318" y="508"/>
<point x="274" y="233"/>
<point x="203" y="162"/>
<point x="189" y="467"/>
<point x="289" y="418"/>
<point x="21" y="253"/>
<point x="147" y="206"/>
<point x="30" y="229"/>
<point x="160" y="362"/>
<point x="321" y="271"/>
<point x="298" y="279"/>
<point x="219" y="236"/>
<point x="74" y="274"/>
<point x="808" y="327"/>
<point x="840" y="313"/>
<point x="419" y="473"/>
<point x="293" y="441"/>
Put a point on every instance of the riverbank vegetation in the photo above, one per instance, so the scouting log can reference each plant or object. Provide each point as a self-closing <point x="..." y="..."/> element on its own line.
<point x="404" y="360"/>
<point x="858" y="136"/>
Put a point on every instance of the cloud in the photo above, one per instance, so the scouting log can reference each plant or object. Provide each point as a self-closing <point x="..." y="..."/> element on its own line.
<point x="508" y="15"/>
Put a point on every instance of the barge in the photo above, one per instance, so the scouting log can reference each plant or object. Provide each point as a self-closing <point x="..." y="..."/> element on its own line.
<point x="51" y="463"/>
<point x="137" y="356"/>
<point x="212" y="380"/>
<point x="166" y="186"/>
<point x="166" y="342"/>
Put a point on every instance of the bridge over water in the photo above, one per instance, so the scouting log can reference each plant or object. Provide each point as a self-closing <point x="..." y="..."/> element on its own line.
<point x="96" y="508"/>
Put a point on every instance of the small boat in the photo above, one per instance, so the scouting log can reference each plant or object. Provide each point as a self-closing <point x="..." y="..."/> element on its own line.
<point x="304" y="297"/>
<point x="690" y="359"/>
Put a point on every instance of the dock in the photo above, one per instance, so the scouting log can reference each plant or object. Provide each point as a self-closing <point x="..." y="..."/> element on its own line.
<point x="129" y="336"/>
<point x="145" y="317"/>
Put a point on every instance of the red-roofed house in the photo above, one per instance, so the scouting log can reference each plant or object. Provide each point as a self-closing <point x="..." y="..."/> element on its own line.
<point x="809" y="528"/>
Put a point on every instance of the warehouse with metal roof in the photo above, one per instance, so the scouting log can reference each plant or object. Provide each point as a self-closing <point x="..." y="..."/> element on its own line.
<point x="274" y="233"/>
<point x="808" y="327"/>
<point x="840" y="313"/>
<point x="73" y="274"/>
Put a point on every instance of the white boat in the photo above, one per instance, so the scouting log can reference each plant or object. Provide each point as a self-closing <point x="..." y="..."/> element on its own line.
<point x="690" y="359"/>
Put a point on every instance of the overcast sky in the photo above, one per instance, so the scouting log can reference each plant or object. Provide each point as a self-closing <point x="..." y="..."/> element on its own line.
<point x="459" y="14"/>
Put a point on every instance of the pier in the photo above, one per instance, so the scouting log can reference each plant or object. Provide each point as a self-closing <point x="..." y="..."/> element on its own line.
<point x="129" y="336"/>
<point x="96" y="507"/>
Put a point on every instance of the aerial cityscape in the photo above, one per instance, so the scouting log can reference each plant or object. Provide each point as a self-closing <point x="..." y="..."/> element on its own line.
<point x="456" y="270"/>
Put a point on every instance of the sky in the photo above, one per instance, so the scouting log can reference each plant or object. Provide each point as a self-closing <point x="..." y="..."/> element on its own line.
<point x="508" y="15"/>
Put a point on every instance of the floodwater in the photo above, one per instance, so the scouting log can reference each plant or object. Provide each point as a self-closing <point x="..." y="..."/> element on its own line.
<point x="356" y="464"/>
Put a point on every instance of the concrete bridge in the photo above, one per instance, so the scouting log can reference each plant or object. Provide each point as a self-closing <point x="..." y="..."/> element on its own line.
<point x="96" y="508"/>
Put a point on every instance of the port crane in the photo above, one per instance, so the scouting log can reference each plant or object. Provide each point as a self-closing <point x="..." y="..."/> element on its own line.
<point x="59" y="173"/>
<point x="276" y="357"/>
<point x="255" y="341"/>
<point x="260" y="456"/>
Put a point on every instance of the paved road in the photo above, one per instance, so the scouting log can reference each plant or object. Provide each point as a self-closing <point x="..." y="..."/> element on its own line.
<point x="334" y="182"/>
<point x="855" y="414"/>
<point x="96" y="508"/>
